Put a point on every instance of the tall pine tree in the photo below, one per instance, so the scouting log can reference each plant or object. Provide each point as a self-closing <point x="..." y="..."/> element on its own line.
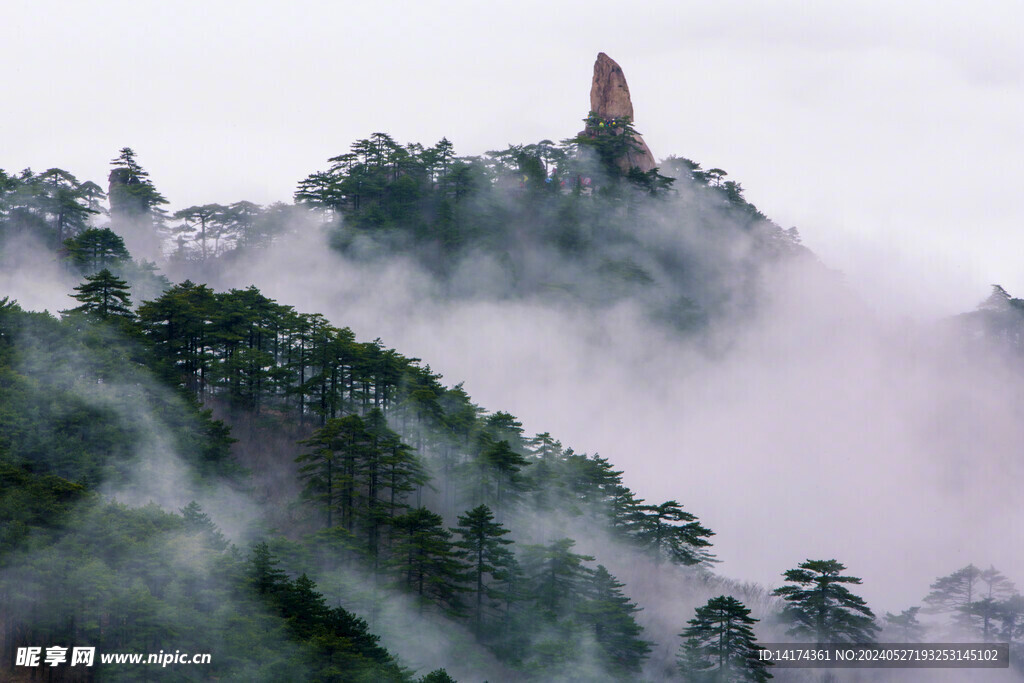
<point x="820" y="606"/>
<point x="484" y="550"/>
<point x="720" y="646"/>
<point x="609" y="615"/>
<point x="104" y="297"/>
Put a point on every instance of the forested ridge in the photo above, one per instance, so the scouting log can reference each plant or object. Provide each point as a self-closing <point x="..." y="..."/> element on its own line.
<point x="397" y="504"/>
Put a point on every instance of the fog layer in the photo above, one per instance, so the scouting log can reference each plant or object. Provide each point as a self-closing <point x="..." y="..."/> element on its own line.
<point x="823" y="430"/>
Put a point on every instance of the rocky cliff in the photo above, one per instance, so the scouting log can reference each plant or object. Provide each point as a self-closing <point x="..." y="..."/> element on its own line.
<point x="611" y="110"/>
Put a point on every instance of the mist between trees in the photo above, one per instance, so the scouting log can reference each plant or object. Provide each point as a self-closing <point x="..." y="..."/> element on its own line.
<point x="338" y="504"/>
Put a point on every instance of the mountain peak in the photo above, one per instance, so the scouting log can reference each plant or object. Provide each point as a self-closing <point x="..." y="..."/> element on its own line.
<point x="609" y="92"/>
<point x="611" y="103"/>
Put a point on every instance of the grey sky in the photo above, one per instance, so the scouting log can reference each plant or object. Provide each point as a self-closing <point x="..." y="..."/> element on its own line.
<point x="889" y="133"/>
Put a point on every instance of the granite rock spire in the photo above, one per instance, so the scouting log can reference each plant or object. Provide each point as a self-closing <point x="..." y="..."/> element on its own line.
<point x="611" y="104"/>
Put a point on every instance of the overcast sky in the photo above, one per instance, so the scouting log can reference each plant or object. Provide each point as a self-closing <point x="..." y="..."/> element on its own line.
<point x="888" y="133"/>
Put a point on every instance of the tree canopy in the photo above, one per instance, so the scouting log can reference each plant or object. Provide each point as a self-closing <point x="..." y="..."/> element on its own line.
<point x="821" y="608"/>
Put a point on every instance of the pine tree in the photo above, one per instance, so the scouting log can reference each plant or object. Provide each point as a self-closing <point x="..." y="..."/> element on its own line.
<point x="995" y="589"/>
<point x="131" y="190"/>
<point x="720" y="646"/>
<point x="483" y="550"/>
<point x="426" y="561"/>
<point x="322" y="191"/>
<point x="609" y="615"/>
<point x="341" y="646"/>
<point x="556" y="578"/>
<point x="953" y="595"/>
<point x="671" y="532"/>
<point x="329" y="468"/>
<point x="999" y="300"/>
<point x="906" y="625"/>
<point x="104" y="297"/>
<point x="1010" y="613"/>
<point x="264" y="574"/>
<point x="248" y="224"/>
<point x="201" y="223"/>
<point x="391" y="471"/>
<point x="178" y="326"/>
<point x="198" y="522"/>
<point x="67" y="203"/>
<point x="501" y="464"/>
<point x="92" y="194"/>
<point x="95" y="249"/>
<point x="445" y="153"/>
<point x="402" y="472"/>
<point x="611" y="140"/>
<point x="821" y="607"/>
<point x="135" y="205"/>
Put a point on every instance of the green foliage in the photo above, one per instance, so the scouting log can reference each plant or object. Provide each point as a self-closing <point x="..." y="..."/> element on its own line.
<point x="358" y="473"/>
<point x="820" y="607"/>
<point x="905" y="625"/>
<point x="197" y="219"/>
<point x="104" y="297"/>
<point x="425" y="562"/>
<point x="380" y="183"/>
<point x="971" y="603"/>
<point x="96" y="249"/>
<point x="215" y="231"/>
<point x="671" y="532"/>
<point x="998" y="321"/>
<point x="429" y="199"/>
<point x="61" y="213"/>
<point x="245" y="351"/>
<point x="973" y="600"/>
<point x="954" y="594"/>
<point x="198" y="522"/>
<point x="494" y="473"/>
<point x="484" y="551"/>
<point x="558" y="221"/>
<point x="338" y="644"/>
<point x="36" y="503"/>
<point x="720" y="645"/>
<point x="611" y="140"/>
<point x="389" y="456"/>
<point x="589" y="486"/>
<point x="329" y="469"/>
<point x="132" y="193"/>
<point x="709" y="183"/>
<point x="996" y="591"/>
<point x="52" y="205"/>
<point x="609" y="615"/>
<point x="76" y="569"/>
<point x="125" y="580"/>
<point x="257" y="354"/>
<point x="568" y="606"/>
<point x="76" y="401"/>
